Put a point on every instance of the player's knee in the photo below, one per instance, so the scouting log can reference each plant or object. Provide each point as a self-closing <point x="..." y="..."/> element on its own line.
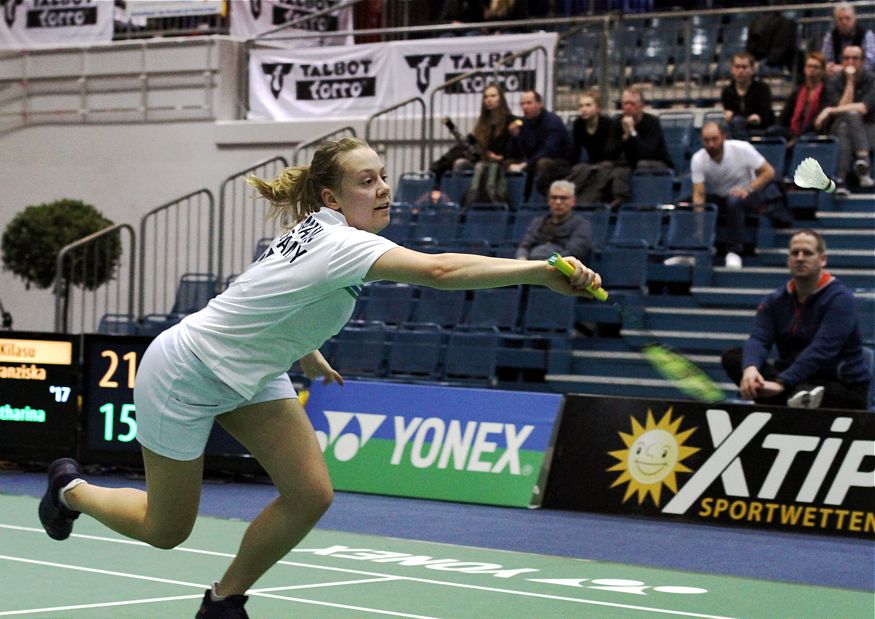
<point x="168" y="538"/>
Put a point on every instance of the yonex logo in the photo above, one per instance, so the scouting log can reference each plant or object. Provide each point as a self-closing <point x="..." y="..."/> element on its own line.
<point x="347" y="445"/>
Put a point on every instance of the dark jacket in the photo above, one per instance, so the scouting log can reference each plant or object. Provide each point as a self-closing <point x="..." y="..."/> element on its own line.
<point x="757" y="100"/>
<point x="864" y="92"/>
<point x="572" y="237"/>
<point x="542" y="136"/>
<point x="819" y="338"/>
<point x="648" y="144"/>
<point x="595" y="145"/>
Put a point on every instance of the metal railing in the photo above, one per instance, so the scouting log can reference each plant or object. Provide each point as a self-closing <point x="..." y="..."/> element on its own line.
<point x="243" y="218"/>
<point x="95" y="276"/>
<point x="397" y="134"/>
<point x="175" y="238"/>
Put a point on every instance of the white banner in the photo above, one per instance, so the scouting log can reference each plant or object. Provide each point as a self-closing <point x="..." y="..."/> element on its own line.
<point x="254" y="17"/>
<point x="363" y="79"/>
<point x="39" y="23"/>
<point x="299" y="83"/>
<point x="421" y="65"/>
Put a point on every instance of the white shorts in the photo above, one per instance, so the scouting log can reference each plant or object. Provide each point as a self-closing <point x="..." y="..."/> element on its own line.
<point x="177" y="398"/>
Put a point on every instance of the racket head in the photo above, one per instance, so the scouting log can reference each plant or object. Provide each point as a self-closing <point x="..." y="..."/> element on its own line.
<point x="683" y="374"/>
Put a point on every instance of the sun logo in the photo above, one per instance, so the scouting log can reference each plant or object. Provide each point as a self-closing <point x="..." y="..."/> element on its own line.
<point x="653" y="454"/>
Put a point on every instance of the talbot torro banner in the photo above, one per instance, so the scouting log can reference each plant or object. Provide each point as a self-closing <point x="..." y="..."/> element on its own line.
<point x="356" y="81"/>
<point x="768" y="467"/>
<point x="256" y="18"/>
<point x="41" y="23"/>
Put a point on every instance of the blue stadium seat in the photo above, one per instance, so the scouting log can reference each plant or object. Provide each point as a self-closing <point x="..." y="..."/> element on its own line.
<point x="677" y="127"/>
<point x="524" y="216"/>
<point x="415" y="188"/>
<point x="472" y="355"/>
<point x="823" y="148"/>
<point x="548" y="313"/>
<point x="455" y="185"/>
<point x="692" y="231"/>
<point x="484" y="222"/>
<point x="388" y="302"/>
<point x="117" y="324"/>
<point x="774" y="149"/>
<point x="598" y="216"/>
<point x="623" y="268"/>
<point x="495" y="307"/>
<point x="194" y="292"/>
<point x="516" y="187"/>
<point x="653" y="186"/>
<point x="440" y="224"/>
<point x="359" y="349"/>
<point x="442" y="307"/>
<point x="638" y="222"/>
<point x="416" y="352"/>
<point x="400" y="223"/>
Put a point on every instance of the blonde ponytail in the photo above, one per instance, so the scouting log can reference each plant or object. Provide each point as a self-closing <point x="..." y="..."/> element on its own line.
<point x="296" y="191"/>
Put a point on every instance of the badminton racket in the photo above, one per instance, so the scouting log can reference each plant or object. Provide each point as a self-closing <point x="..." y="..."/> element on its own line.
<point x="682" y="373"/>
<point x="809" y="175"/>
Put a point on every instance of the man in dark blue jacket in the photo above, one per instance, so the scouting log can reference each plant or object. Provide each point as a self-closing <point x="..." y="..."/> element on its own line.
<point x="539" y="145"/>
<point x="814" y="324"/>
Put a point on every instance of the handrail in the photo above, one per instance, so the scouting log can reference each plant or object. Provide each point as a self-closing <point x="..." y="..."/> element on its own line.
<point x="319" y="139"/>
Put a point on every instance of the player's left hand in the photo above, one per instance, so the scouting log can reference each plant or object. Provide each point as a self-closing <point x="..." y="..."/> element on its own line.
<point x="314" y="365"/>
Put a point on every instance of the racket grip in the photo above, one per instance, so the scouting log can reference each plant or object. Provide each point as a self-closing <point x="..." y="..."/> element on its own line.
<point x="555" y="260"/>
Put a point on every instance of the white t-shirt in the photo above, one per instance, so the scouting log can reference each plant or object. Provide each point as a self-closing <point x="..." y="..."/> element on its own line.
<point x="300" y="293"/>
<point x="737" y="168"/>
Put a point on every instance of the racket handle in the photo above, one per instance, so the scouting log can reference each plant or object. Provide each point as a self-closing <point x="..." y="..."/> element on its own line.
<point x="555" y="260"/>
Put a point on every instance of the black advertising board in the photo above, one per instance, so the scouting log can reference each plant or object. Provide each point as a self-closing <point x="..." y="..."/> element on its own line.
<point x="768" y="467"/>
<point x="109" y="416"/>
<point x="38" y="395"/>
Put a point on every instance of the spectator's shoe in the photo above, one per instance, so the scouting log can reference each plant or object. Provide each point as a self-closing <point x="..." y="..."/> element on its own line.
<point x="680" y="260"/>
<point x="229" y="608"/>
<point x="56" y="519"/>
<point x="861" y="167"/>
<point x="842" y="190"/>
<point x="806" y="398"/>
<point x="733" y="261"/>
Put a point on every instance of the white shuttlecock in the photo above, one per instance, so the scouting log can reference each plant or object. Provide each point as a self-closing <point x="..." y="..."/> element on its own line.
<point x="809" y="175"/>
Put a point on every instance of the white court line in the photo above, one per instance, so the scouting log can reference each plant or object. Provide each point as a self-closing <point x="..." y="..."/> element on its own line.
<point x="29" y="611"/>
<point x="347" y="606"/>
<point x="333" y="583"/>
<point x="408" y="578"/>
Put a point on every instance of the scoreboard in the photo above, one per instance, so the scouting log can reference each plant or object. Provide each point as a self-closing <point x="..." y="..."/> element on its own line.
<point x="38" y="395"/>
<point x="109" y="415"/>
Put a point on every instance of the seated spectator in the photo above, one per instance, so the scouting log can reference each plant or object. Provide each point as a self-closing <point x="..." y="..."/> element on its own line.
<point x="847" y="32"/>
<point x="539" y="143"/>
<point x="850" y="116"/>
<point x="562" y="231"/>
<point x="737" y="177"/>
<point x="813" y="322"/>
<point x="747" y="101"/>
<point x="592" y="170"/>
<point x="804" y="103"/>
<point x="506" y="10"/>
<point x="487" y="143"/>
<point x="636" y="143"/>
<point x="460" y="12"/>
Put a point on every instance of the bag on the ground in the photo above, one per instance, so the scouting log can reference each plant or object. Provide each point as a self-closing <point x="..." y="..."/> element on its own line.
<point x="488" y="185"/>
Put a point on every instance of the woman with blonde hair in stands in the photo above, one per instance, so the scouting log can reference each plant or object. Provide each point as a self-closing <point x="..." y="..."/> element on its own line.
<point x="229" y="361"/>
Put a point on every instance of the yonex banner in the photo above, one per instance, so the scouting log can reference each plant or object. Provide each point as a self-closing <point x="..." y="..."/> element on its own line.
<point x="471" y="445"/>
<point x="356" y="81"/>
<point x="39" y="23"/>
<point x="768" y="467"/>
<point x="256" y="17"/>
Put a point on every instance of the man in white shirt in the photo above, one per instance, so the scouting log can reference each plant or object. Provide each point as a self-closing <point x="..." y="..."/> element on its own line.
<point x="735" y="174"/>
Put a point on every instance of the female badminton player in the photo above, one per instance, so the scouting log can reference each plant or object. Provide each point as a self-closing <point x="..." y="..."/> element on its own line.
<point x="228" y="363"/>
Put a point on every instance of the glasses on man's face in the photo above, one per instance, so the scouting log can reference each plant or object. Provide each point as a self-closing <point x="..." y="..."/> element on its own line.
<point x="852" y="58"/>
<point x="560" y="198"/>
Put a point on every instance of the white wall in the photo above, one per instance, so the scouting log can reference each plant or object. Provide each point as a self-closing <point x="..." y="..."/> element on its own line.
<point x="124" y="171"/>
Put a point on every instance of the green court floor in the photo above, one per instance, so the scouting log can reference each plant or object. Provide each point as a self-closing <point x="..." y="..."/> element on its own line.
<point x="97" y="574"/>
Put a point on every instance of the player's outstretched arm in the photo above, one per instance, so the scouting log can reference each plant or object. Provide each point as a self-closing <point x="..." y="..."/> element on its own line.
<point x="469" y="271"/>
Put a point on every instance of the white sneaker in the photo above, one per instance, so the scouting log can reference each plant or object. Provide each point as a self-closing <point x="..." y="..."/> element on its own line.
<point x="806" y="399"/>
<point x="677" y="260"/>
<point x="866" y="181"/>
<point x="733" y="261"/>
